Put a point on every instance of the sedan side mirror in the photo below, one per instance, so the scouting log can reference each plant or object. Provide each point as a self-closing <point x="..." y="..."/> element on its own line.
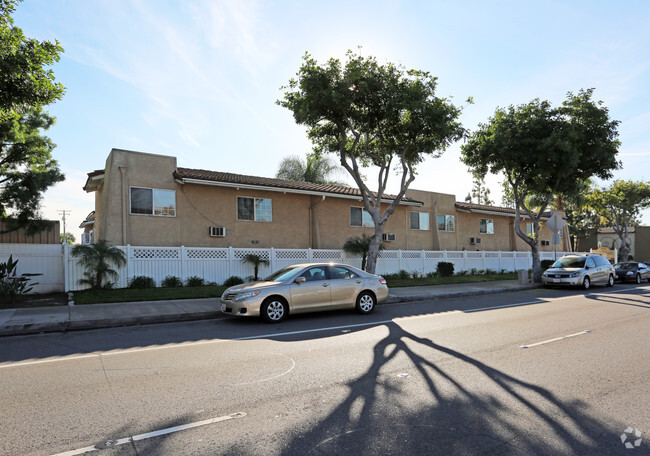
<point x="300" y="280"/>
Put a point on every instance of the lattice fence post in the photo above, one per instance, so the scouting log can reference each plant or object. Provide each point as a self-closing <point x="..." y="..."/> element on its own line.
<point x="272" y="259"/>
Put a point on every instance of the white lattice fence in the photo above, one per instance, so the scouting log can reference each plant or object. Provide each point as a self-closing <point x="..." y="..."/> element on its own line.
<point x="62" y="272"/>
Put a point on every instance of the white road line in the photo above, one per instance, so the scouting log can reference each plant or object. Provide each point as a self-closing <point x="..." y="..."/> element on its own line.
<point x="587" y="331"/>
<point x="290" y="333"/>
<point x="149" y="435"/>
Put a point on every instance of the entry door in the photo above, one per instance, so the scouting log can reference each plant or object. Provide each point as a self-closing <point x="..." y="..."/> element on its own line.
<point x="312" y="294"/>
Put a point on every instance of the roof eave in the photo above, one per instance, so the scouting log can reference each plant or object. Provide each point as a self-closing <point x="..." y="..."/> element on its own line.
<point x="187" y="180"/>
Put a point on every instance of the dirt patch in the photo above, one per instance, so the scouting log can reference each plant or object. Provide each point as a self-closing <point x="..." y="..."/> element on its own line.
<point x="36" y="300"/>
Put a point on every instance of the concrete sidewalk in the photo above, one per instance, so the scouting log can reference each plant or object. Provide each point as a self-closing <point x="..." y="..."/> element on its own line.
<point x="65" y="318"/>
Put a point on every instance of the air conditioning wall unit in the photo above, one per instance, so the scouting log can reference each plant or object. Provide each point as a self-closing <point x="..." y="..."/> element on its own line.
<point x="474" y="240"/>
<point x="217" y="231"/>
<point x="388" y="237"/>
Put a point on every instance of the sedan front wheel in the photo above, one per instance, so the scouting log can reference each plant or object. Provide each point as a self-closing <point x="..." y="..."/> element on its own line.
<point x="274" y="310"/>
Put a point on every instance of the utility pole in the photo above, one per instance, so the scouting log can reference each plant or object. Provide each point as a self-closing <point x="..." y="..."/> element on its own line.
<point x="64" y="212"/>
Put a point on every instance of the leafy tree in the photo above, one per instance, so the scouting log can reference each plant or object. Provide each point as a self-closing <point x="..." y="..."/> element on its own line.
<point x="479" y="192"/>
<point x="315" y="169"/>
<point x="27" y="169"/>
<point x="99" y="259"/>
<point x="256" y="261"/>
<point x="545" y="151"/>
<point x="369" y="114"/>
<point x="26" y="85"/>
<point x="620" y="205"/>
<point x="360" y="246"/>
<point x="26" y="80"/>
<point x="67" y="238"/>
<point x="582" y="220"/>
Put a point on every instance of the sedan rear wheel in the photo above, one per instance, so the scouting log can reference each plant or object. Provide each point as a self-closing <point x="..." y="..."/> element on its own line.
<point x="610" y="281"/>
<point x="586" y="284"/>
<point x="274" y="310"/>
<point x="365" y="302"/>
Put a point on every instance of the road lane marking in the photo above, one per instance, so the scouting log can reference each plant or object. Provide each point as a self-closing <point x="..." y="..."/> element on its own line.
<point x="586" y="331"/>
<point x="306" y="331"/>
<point x="149" y="435"/>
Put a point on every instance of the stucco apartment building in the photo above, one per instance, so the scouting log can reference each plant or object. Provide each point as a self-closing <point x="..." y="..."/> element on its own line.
<point x="147" y="200"/>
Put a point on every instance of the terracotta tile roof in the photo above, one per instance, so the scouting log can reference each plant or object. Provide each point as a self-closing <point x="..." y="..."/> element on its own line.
<point x="485" y="208"/>
<point x="229" y="178"/>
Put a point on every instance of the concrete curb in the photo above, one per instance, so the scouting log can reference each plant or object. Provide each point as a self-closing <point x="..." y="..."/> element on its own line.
<point x="38" y="328"/>
<point x="69" y="324"/>
<point x="462" y="294"/>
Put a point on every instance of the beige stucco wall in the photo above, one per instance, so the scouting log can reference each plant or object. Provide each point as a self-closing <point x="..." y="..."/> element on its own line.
<point x="298" y="221"/>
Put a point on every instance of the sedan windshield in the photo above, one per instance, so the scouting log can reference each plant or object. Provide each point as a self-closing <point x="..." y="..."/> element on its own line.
<point x="570" y="262"/>
<point x="283" y="274"/>
<point x="625" y="266"/>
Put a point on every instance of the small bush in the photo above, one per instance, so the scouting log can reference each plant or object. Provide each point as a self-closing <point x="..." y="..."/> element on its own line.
<point x="462" y="273"/>
<point x="432" y="274"/>
<point x="232" y="281"/>
<point x="195" y="281"/>
<point x="142" y="282"/>
<point x="489" y="271"/>
<point x="546" y="264"/>
<point x="445" y="269"/>
<point x="416" y="275"/>
<point x="402" y="274"/>
<point x="172" y="282"/>
<point x="474" y="271"/>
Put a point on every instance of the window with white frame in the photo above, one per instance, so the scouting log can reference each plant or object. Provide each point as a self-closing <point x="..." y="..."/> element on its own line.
<point x="360" y="217"/>
<point x="486" y="226"/>
<point x="153" y="201"/>
<point x="419" y="220"/>
<point x="255" y="209"/>
<point x="529" y="230"/>
<point x="446" y="223"/>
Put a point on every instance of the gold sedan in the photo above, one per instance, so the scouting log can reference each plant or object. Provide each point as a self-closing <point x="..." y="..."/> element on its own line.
<point x="306" y="288"/>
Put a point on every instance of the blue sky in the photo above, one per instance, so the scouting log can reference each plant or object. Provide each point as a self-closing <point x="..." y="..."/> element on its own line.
<point x="198" y="79"/>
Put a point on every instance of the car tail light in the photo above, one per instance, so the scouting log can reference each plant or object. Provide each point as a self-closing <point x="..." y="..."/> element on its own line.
<point x="382" y="281"/>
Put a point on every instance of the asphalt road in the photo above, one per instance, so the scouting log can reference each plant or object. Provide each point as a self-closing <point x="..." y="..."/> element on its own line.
<point x="555" y="372"/>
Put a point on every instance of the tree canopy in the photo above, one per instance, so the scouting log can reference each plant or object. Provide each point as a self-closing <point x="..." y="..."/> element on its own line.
<point x="545" y="151"/>
<point x="372" y="115"/>
<point x="27" y="169"/>
<point x="25" y="77"/>
<point x="619" y="205"/>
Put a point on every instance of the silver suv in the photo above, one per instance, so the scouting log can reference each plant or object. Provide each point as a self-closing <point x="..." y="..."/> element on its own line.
<point x="580" y="270"/>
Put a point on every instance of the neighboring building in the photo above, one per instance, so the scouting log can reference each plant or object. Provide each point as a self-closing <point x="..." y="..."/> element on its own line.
<point x="88" y="225"/>
<point x="51" y="235"/>
<point x="638" y="241"/>
<point x="145" y="199"/>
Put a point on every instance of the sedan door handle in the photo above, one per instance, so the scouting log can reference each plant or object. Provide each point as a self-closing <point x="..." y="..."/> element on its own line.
<point x="326" y="284"/>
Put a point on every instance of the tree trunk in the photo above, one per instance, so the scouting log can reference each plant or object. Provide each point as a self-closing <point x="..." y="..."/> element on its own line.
<point x="373" y="251"/>
<point x="537" y="264"/>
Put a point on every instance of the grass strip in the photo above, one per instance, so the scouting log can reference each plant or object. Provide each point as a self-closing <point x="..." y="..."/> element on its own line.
<point x="146" y="294"/>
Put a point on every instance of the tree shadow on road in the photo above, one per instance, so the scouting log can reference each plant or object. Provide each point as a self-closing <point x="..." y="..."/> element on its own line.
<point x="490" y="412"/>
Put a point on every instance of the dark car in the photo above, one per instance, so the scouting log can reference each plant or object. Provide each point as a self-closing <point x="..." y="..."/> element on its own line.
<point x="632" y="271"/>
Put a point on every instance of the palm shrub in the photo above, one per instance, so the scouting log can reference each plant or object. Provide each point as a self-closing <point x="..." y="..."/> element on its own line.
<point x="256" y="261"/>
<point x="142" y="282"/>
<point x="232" y="281"/>
<point x="171" y="282"/>
<point x="99" y="259"/>
<point x="360" y="246"/>
<point x="195" y="281"/>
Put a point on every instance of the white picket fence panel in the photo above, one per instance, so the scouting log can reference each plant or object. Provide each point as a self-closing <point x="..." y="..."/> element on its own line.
<point x="61" y="272"/>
